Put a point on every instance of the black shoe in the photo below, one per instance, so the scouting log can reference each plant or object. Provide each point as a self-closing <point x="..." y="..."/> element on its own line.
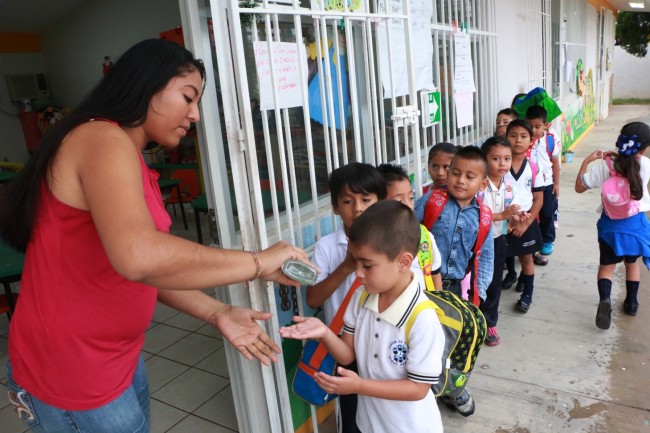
<point x="523" y="304"/>
<point x="604" y="314"/>
<point x="509" y="280"/>
<point x="630" y="308"/>
<point x="520" y="286"/>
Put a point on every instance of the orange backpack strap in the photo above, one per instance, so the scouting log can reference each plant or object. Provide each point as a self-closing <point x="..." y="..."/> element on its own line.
<point x="484" y="224"/>
<point x="336" y="325"/>
<point x="435" y="204"/>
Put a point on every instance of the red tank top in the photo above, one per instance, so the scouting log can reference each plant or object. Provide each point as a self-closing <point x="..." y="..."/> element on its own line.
<point x="79" y="326"/>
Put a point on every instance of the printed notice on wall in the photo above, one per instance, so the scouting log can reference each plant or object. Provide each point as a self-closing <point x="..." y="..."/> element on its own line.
<point x="463" y="68"/>
<point x="464" y="102"/>
<point x="421" y="44"/>
<point x="286" y="71"/>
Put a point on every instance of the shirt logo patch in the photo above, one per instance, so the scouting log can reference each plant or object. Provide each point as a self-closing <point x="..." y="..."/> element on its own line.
<point x="398" y="352"/>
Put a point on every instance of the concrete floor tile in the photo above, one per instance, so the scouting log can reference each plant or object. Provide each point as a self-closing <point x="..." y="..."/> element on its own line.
<point x="193" y="424"/>
<point x="162" y="336"/>
<point x="191" y="349"/>
<point x="164" y="416"/>
<point x="191" y="389"/>
<point x="161" y="371"/>
<point x="220" y="409"/>
<point x="163" y="312"/>
<point x="215" y="363"/>
<point x="185" y="322"/>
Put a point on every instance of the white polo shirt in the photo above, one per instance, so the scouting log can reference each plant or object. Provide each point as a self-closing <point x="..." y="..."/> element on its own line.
<point x="330" y="252"/>
<point x="382" y="354"/>
<point x="495" y="198"/>
<point x="539" y="155"/>
<point x="523" y="180"/>
<point x="599" y="173"/>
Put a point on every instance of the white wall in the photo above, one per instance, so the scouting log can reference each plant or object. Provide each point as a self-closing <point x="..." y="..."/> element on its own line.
<point x="512" y="50"/>
<point x="73" y="51"/>
<point x="631" y="75"/>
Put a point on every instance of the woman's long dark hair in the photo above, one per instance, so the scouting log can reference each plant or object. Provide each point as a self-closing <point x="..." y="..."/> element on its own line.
<point x="123" y="96"/>
<point x="628" y="165"/>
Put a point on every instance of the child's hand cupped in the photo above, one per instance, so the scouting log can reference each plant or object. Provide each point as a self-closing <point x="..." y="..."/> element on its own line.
<point x="347" y="382"/>
<point x="305" y="327"/>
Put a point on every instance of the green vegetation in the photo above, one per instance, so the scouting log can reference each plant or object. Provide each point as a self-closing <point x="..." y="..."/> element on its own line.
<point x="631" y="101"/>
<point x="633" y="32"/>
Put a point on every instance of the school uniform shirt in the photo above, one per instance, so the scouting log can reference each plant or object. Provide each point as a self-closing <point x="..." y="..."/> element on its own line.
<point x="599" y="173"/>
<point x="494" y="197"/>
<point x="330" y="251"/>
<point x="456" y="231"/>
<point x="539" y="155"/>
<point x="525" y="184"/>
<point x="382" y="354"/>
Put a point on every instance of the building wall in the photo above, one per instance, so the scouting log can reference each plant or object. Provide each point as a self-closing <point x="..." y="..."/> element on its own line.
<point x="72" y="54"/>
<point x="631" y="75"/>
<point x="512" y="49"/>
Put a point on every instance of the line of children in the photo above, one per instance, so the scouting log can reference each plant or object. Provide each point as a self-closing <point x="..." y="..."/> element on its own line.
<point x="502" y="198"/>
<point x="546" y="153"/>
<point x="394" y="380"/>
<point x="625" y="239"/>
<point x="353" y="188"/>
<point x="524" y="239"/>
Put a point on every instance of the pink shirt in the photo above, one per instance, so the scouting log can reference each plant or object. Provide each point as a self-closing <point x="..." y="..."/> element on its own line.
<point x="79" y="326"/>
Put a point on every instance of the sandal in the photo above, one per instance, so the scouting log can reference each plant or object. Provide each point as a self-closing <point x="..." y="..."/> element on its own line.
<point x="540" y="260"/>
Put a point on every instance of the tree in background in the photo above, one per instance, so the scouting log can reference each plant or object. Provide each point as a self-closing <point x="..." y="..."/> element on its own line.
<point x="633" y="32"/>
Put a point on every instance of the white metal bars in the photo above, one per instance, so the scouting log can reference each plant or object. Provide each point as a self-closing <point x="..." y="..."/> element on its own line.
<point x="280" y="157"/>
<point x="539" y="44"/>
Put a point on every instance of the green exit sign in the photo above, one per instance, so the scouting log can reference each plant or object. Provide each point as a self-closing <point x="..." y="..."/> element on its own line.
<point x="430" y="107"/>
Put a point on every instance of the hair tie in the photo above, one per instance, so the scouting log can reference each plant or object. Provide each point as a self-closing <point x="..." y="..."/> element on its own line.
<point x="628" y="145"/>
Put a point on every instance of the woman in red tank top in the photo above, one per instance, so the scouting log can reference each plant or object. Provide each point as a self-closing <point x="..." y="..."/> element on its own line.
<point x="88" y="213"/>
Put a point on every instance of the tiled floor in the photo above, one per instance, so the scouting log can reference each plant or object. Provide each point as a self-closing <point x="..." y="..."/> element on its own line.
<point x="188" y="374"/>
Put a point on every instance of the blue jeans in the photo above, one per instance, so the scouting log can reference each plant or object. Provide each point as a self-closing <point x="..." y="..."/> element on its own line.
<point x="129" y="413"/>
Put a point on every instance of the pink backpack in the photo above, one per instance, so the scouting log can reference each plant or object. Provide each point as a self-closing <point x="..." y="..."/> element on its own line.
<point x="615" y="193"/>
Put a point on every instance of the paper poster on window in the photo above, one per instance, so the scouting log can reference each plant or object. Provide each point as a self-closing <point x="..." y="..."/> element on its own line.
<point x="463" y="67"/>
<point x="338" y="5"/>
<point x="421" y="45"/>
<point x="464" y="102"/>
<point x="286" y="70"/>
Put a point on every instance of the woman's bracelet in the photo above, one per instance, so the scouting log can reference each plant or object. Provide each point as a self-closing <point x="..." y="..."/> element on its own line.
<point x="212" y="320"/>
<point x="258" y="264"/>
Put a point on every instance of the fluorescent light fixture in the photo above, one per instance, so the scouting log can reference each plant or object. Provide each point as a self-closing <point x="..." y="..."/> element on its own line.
<point x="637" y="5"/>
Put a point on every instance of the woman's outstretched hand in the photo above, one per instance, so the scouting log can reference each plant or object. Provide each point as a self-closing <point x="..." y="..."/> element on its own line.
<point x="238" y="325"/>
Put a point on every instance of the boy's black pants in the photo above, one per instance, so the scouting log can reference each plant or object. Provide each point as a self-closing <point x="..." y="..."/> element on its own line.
<point x="546" y="219"/>
<point x="348" y="405"/>
<point x="490" y="307"/>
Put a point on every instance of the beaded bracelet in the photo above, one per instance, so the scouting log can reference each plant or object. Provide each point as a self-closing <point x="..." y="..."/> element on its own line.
<point x="259" y="267"/>
<point x="212" y="320"/>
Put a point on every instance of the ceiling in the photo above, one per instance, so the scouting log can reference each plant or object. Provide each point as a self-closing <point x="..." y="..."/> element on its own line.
<point x="33" y="16"/>
<point x="38" y="15"/>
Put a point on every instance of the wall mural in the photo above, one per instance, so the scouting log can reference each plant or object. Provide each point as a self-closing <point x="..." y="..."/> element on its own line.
<point x="578" y="116"/>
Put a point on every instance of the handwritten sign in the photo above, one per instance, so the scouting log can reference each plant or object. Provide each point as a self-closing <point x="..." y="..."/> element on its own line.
<point x="286" y="74"/>
<point x="421" y="44"/>
<point x="464" y="70"/>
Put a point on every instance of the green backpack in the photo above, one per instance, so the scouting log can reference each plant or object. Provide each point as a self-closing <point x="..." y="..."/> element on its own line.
<point x="464" y="327"/>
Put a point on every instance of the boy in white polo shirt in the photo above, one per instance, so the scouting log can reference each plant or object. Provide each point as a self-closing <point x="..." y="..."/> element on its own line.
<point x="394" y="380"/>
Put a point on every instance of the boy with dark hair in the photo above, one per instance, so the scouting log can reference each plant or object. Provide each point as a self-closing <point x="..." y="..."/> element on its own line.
<point x="396" y="371"/>
<point x="504" y="117"/>
<point x="427" y="262"/>
<point x="353" y="188"/>
<point x="456" y="231"/>
<point x="545" y="153"/>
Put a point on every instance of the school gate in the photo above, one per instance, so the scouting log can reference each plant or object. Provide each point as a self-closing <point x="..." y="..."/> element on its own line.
<point x="296" y="89"/>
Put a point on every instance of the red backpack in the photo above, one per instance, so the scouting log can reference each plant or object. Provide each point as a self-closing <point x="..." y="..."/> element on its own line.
<point x="432" y="210"/>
